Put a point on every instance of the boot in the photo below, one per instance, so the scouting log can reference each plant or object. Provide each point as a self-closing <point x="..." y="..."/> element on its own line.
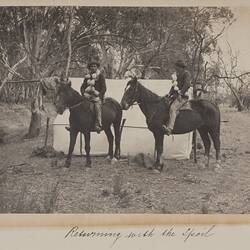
<point x="167" y="130"/>
<point x="98" y="128"/>
<point x="98" y="110"/>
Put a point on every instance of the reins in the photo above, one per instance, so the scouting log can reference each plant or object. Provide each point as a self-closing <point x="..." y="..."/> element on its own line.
<point x="135" y="103"/>
<point x="76" y="105"/>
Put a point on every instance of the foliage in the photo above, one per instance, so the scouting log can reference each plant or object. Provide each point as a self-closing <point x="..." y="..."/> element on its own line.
<point x="149" y="39"/>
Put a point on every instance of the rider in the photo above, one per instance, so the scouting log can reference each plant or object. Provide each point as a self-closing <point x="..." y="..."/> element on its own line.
<point x="179" y="93"/>
<point x="94" y="88"/>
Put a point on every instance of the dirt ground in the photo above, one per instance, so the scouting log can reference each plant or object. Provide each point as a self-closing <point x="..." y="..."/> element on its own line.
<point x="32" y="184"/>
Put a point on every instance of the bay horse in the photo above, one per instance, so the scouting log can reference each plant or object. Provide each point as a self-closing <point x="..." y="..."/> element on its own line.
<point x="82" y="119"/>
<point x="203" y="116"/>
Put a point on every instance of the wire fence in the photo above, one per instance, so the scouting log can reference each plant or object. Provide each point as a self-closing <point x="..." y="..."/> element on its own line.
<point x="17" y="92"/>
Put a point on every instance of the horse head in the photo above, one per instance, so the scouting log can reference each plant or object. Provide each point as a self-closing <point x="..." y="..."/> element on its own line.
<point x="63" y="95"/>
<point x="131" y="94"/>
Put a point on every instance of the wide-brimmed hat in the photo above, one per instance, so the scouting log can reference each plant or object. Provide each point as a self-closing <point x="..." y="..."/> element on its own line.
<point x="180" y="63"/>
<point x="93" y="62"/>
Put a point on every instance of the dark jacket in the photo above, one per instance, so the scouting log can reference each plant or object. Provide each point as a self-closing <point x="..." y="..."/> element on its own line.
<point x="100" y="85"/>
<point x="183" y="83"/>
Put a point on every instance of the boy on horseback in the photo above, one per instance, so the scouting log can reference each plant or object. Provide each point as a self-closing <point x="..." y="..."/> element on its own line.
<point x="94" y="88"/>
<point x="179" y="94"/>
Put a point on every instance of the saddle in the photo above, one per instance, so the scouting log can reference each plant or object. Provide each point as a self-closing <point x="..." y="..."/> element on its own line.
<point x="186" y="106"/>
<point x="92" y="106"/>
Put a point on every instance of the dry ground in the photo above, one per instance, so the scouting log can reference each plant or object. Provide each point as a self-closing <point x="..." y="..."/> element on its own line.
<point x="39" y="185"/>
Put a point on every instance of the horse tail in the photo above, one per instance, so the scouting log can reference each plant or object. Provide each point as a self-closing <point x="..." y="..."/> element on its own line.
<point x="213" y="118"/>
<point x="210" y="114"/>
<point x="117" y="107"/>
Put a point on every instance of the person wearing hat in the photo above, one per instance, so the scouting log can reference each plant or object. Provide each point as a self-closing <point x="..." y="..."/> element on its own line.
<point x="94" y="88"/>
<point x="181" y="84"/>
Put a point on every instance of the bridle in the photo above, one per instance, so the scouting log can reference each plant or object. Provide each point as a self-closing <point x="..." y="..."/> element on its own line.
<point x="134" y="102"/>
<point x="75" y="105"/>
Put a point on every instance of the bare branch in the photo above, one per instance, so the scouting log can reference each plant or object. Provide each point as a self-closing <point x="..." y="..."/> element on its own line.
<point x="231" y="77"/>
<point x="12" y="71"/>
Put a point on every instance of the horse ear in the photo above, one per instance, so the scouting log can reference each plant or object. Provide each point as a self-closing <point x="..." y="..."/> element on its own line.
<point x="133" y="82"/>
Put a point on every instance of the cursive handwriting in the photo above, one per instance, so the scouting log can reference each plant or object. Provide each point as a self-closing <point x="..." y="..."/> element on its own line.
<point x="194" y="233"/>
<point x="186" y="233"/>
<point x="75" y="232"/>
<point x="146" y="234"/>
<point x="169" y="232"/>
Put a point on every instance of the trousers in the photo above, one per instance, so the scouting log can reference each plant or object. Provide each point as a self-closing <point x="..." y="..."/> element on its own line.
<point x="173" y="111"/>
<point x="98" y="112"/>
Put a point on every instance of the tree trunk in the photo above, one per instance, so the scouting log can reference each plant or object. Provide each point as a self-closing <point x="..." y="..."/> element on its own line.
<point x="33" y="41"/>
<point x="36" y="120"/>
<point x="71" y="16"/>
<point x="240" y="106"/>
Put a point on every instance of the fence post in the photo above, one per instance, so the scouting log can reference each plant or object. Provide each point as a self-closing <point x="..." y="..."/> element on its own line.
<point x="194" y="144"/>
<point x="120" y="135"/>
<point x="46" y="132"/>
<point x="80" y="143"/>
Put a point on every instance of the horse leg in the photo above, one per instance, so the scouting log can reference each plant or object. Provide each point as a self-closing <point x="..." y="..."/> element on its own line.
<point x="215" y="135"/>
<point x="73" y="135"/>
<point x="87" y="148"/>
<point x="207" y="143"/>
<point x="117" y="139"/>
<point x="110" y="138"/>
<point x="159" y="138"/>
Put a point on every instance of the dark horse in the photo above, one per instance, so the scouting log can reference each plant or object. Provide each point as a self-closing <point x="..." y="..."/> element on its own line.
<point x="82" y="119"/>
<point x="204" y="116"/>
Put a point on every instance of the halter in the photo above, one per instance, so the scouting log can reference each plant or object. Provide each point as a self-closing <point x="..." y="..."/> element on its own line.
<point x="134" y="102"/>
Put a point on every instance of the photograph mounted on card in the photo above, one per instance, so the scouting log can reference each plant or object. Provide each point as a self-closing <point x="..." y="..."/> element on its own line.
<point x="124" y="125"/>
<point x="115" y="109"/>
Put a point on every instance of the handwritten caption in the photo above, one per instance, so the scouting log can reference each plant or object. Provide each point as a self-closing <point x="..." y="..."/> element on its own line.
<point x="185" y="233"/>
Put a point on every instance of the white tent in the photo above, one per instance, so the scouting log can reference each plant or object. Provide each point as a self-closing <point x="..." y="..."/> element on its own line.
<point x="136" y="138"/>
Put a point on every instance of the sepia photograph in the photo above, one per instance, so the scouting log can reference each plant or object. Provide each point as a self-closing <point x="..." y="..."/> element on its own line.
<point x="124" y="110"/>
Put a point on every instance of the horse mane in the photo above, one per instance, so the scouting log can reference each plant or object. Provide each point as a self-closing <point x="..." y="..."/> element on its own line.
<point x="77" y="94"/>
<point x="78" y="97"/>
<point x="148" y="95"/>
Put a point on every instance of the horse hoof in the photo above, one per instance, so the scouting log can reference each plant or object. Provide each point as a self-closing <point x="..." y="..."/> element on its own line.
<point x="113" y="161"/>
<point x="161" y="166"/>
<point x="158" y="167"/>
<point x="108" y="158"/>
<point x="156" y="171"/>
<point x="66" y="164"/>
<point x="218" y="168"/>
<point x="88" y="165"/>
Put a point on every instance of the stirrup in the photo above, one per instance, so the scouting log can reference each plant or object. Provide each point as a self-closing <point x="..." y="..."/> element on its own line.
<point x="98" y="129"/>
<point x="167" y="130"/>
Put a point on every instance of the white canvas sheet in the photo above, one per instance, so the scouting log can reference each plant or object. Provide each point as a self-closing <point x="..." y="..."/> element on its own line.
<point x="136" y="138"/>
